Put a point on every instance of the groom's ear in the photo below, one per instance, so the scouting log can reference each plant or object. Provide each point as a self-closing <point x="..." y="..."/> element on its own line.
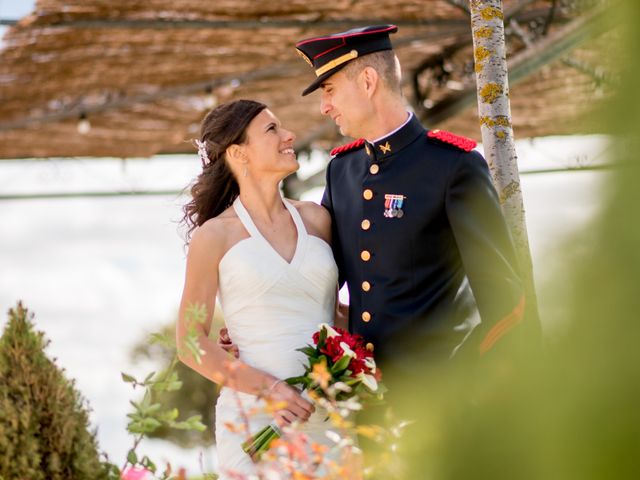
<point x="369" y="80"/>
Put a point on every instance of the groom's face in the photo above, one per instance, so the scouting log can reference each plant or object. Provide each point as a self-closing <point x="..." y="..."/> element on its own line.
<point x="344" y="101"/>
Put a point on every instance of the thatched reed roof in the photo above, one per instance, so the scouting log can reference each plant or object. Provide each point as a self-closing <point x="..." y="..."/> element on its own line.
<point x="143" y="72"/>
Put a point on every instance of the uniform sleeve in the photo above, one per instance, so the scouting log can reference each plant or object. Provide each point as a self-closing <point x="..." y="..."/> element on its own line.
<point x="486" y="250"/>
<point x="327" y="202"/>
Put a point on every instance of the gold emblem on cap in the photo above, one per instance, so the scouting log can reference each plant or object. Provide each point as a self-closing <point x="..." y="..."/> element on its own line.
<point x="337" y="61"/>
<point x="306" y="59"/>
<point x="386" y="148"/>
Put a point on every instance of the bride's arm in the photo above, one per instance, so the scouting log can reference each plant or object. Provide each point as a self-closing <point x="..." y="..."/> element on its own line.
<point x="201" y="284"/>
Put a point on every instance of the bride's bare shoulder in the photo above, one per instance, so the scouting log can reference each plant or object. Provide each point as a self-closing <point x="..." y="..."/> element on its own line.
<point x="219" y="233"/>
<point x="316" y="218"/>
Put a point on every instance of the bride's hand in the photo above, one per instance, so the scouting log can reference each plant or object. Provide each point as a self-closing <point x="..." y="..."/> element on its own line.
<point x="296" y="408"/>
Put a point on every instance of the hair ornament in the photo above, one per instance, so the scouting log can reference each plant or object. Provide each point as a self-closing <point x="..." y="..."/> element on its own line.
<point x="202" y="152"/>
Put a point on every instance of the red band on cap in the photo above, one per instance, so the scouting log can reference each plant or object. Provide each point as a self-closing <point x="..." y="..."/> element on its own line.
<point x="343" y="38"/>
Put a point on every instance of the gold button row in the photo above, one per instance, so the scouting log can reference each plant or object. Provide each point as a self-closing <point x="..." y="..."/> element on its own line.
<point x="366" y="224"/>
<point x="366" y="286"/>
<point x="366" y="316"/>
<point x="367" y="194"/>
<point x="365" y="255"/>
<point x="374" y="168"/>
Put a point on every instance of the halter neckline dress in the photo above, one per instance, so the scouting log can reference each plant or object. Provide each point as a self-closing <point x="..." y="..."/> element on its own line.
<point x="271" y="308"/>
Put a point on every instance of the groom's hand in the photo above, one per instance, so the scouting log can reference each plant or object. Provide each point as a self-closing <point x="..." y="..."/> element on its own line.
<point x="224" y="342"/>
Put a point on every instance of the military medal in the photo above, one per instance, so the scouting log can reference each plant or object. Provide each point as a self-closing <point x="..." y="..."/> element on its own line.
<point x="393" y="205"/>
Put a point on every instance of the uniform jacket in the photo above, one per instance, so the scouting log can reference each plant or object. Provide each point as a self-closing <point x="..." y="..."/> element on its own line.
<point x="417" y="280"/>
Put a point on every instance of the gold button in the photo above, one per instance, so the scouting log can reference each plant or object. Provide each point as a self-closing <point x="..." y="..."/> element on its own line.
<point x="375" y="168"/>
<point x="365" y="255"/>
<point x="367" y="194"/>
<point x="366" y="316"/>
<point x="366" y="286"/>
<point x="369" y="346"/>
<point x="366" y="224"/>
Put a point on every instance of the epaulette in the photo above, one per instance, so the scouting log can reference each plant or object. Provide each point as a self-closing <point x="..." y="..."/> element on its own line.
<point x="463" y="143"/>
<point x="348" y="147"/>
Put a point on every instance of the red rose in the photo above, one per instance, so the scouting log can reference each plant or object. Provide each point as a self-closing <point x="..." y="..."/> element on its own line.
<point x="332" y="348"/>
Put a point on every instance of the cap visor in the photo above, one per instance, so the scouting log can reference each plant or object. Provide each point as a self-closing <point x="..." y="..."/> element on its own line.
<point x="318" y="81"/>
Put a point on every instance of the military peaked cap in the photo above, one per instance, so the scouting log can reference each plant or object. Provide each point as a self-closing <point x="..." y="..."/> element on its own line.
<point x="330" y="53"/>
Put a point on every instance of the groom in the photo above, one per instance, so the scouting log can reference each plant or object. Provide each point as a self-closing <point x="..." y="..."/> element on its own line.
<point x="419" y="235"/>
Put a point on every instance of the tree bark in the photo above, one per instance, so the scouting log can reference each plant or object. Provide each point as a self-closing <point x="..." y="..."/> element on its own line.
<point x="489" y="48"/>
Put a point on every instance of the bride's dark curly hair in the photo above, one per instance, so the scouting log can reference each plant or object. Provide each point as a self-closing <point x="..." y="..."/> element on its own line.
<point x="215" y="189"/>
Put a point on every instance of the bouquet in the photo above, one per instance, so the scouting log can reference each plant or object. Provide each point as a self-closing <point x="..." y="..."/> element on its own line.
<point x="340" y="368"/>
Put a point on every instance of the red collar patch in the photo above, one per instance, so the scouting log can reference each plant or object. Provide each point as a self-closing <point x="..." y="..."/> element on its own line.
<point x="348" y="147"/>
<point x="463" y="143"/>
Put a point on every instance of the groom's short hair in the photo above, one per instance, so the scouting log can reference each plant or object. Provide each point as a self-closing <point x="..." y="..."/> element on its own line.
<point x="384" y="62"/>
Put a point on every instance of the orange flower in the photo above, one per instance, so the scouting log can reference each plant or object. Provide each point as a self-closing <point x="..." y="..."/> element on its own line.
<point x="320" y="374"/>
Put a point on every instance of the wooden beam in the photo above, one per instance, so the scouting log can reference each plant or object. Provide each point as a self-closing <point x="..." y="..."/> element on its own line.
<point x="530" y="60"/>
<point x="251" y="24"/>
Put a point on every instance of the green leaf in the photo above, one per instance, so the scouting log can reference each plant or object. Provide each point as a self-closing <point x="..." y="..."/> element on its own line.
<point x="322" y="338"/>
<point x="148" y="377"/>
<point x="150" y="425"/>
<point x="161" y="339"/>
<point x="146" y="462"/>
<point x="135" y="427"/>
<point x="132" y="458"/>
<point x="296" y="380"/>
<point x="153" y="408"/>
<point x="169" y="416"/>
<point x="128" y="378"/>
<point x="308" y="351"/>
<point x="341" y="364"/>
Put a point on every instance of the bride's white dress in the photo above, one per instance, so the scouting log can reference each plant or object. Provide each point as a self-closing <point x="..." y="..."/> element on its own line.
<point x="271" y="308"/>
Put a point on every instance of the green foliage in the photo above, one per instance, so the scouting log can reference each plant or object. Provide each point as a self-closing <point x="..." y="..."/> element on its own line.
<point x="192" y="395"/>
<point x="150" y="415"/>
<point x="43" y="419"/>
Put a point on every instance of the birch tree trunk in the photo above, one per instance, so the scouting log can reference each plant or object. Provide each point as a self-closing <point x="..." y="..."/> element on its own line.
<point x="489" y="48"/>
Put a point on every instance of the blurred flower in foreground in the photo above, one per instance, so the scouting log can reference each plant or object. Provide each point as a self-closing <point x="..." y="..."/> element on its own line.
<point x="136" y="473"/>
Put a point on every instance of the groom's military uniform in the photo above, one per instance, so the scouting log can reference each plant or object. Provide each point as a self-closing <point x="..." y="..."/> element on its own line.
<point x="417" y="222"/>
<point x="418" y="232"/>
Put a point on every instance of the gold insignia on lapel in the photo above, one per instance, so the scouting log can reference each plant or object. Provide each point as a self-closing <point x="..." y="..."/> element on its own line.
<point x="386" y="148"/>
<point x="366" y="147"/>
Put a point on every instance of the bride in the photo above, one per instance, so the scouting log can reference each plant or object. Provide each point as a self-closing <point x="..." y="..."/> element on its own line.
<point x="269" y="261"/>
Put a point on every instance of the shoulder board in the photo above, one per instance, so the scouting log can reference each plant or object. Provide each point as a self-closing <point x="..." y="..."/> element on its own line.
<point x="463" y="143"/>
<point x="348" y="147"/>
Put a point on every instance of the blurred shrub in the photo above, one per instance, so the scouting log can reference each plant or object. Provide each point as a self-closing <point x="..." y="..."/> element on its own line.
<point x="43" y="419"/>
